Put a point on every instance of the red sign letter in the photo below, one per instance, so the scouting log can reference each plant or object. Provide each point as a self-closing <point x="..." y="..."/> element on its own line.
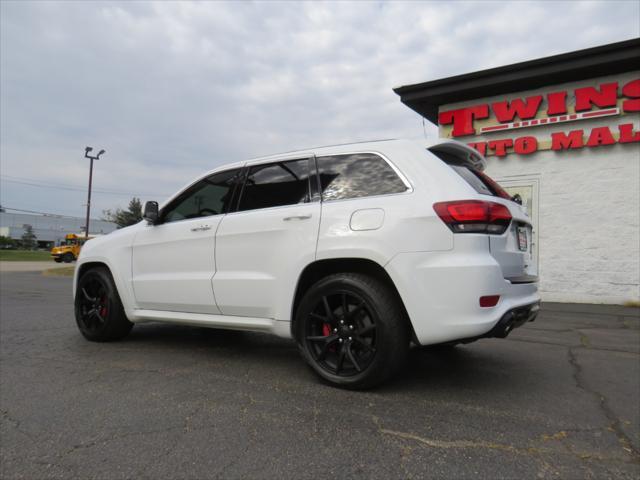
<point x="480" y="147"/>
<point x="627" y="135"/>
<point x="562" y="141"/>
<point x="525" y="145"/>
<point x="631" y="90"/>
<point x="500" y="146"/>
<point x="600" y="136"/>
<point x="462" y="119"/>
<point x="557" y="103"/>
<point x="505" y="111"/>
<point x="587" y="97"/>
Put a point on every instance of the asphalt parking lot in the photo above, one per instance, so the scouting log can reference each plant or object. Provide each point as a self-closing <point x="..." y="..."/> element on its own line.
<point x="558" y="399"/>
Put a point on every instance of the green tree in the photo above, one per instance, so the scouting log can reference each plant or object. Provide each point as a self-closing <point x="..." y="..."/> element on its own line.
<point x="7" y="242"/>
<point x="28" y="239"/>
<point x="124" y="218"/>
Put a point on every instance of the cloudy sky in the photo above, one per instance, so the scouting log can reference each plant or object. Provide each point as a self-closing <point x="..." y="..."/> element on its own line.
<point x="171" y="89"/>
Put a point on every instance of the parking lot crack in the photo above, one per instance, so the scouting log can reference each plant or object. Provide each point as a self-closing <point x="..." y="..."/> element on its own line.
<point x="16" y="424"/>
<point x="614" y="421"/>
<point x="537" y="452"/>
<point x="450" y="443"/>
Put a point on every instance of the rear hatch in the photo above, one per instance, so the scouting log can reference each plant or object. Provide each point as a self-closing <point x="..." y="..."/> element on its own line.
<point x="512" y="249"/>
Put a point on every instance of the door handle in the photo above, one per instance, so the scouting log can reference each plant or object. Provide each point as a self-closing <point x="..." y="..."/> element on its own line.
<point x="201" y="228"/>
<point x="296" y="217"/>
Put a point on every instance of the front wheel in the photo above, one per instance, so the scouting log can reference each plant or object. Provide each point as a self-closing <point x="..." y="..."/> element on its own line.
<point x="99" y="312"/>
<point x="352" y="330"/>
<point x="68" y="258"/>
<point x="57" y="260"/>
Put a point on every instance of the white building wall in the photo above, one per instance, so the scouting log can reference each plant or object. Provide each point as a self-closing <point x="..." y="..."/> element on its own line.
<point x="589" y="206"/>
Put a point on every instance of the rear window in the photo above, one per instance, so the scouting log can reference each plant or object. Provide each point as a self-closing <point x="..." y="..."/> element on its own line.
<point x="480" y="181"/>
<point x="357" y="175"/>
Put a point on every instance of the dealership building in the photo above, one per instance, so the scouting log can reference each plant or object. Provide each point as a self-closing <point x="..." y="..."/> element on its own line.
<point x="564" y="133"/>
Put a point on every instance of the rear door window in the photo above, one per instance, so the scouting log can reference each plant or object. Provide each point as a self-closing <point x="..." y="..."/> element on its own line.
<point x="276" y="185"/>
<point x="357" y="175"/>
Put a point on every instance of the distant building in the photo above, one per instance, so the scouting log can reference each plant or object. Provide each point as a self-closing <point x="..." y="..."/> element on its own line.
<point x="49" y="229"/>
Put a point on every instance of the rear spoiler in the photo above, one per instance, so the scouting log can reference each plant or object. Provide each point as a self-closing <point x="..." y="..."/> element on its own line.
<point x="463" y="154"/>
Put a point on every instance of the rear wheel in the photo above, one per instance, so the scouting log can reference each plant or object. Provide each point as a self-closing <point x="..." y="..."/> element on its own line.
<point x="99" y="312"/>
<point x="352" y="330"/>
<point x="57" y="260"/>
<point x="68" y="258"/>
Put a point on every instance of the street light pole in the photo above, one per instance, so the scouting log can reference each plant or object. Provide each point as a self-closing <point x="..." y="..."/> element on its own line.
<point x="87" y="150"/>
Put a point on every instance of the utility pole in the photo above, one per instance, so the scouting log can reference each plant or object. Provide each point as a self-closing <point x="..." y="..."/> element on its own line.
<point x="88" y="150"/>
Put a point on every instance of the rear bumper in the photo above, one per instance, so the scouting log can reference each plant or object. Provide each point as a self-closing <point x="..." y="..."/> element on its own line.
<point x="441" y="292"/>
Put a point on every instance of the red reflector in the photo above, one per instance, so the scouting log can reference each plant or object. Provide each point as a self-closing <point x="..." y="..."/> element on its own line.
<point x="489" y="300"/>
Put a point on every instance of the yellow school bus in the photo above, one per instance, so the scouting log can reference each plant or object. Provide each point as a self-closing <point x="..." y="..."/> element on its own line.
<point x="69" y="250"/>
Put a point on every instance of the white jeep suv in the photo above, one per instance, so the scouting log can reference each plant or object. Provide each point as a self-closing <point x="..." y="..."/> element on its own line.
<point x="355" y="251"/>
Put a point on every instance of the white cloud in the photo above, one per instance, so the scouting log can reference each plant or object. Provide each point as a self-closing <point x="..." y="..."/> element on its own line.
<point x="171" y="89"/>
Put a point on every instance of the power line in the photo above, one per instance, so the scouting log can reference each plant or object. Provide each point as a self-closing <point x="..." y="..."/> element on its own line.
<point x="48" y="214"/>
<point x="75" y="188"/>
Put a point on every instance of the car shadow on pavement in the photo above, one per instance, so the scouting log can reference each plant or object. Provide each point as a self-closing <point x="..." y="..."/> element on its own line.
<point x="469" y="366"/>
<point x="429" y="368"/>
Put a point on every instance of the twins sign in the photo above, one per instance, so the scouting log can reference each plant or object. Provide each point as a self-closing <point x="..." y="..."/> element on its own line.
<point x="609" y="99"/>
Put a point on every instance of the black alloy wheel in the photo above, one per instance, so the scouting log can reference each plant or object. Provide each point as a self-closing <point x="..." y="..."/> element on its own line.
<point x="352" y="330"/>
<point x="93" y="304"/>
<point x="98" y="309"/>
<point x="341" y="333"/>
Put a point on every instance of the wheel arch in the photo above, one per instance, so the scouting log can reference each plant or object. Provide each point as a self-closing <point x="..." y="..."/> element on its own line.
<point x="319" y="269"/>
<point x="123" y="292"/>
<point x="82" y="268"/>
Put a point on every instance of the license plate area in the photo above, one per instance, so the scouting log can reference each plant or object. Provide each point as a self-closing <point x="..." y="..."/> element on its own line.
<point x="522" y="239"/>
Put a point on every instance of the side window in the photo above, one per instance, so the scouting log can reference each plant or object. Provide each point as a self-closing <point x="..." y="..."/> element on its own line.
<point x="357" y="175"/>
<point x="275" y="185"/>
<point x="210" y="196"/>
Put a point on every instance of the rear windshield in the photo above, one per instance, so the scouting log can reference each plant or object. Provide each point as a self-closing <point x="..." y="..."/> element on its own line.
<point x="480" y="181"/>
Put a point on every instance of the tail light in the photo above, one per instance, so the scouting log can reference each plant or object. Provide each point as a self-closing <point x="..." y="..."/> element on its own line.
<point x="474" y="216"/>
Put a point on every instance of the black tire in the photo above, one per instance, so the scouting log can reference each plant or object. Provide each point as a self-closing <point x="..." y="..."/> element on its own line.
<point x="99" y="312"/>
<point x="57" y="260"/>
<point x="68" y="258"/>
<point x="366" y="349"/>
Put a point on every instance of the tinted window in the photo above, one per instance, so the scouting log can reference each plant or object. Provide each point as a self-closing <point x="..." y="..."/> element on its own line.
<point x="357" y="175"/>
<point x="210" y="196"/>
<point x="472" y="179"/>
<point x="480" y="181"/>
<point x="275" y="184"/>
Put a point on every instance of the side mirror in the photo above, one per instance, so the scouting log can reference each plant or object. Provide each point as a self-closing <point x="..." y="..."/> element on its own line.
<point x="150" y="213"/>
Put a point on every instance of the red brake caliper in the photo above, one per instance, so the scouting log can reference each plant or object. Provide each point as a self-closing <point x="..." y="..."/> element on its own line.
<point x="326" y="331"/>
<point x="103" y="308"/>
